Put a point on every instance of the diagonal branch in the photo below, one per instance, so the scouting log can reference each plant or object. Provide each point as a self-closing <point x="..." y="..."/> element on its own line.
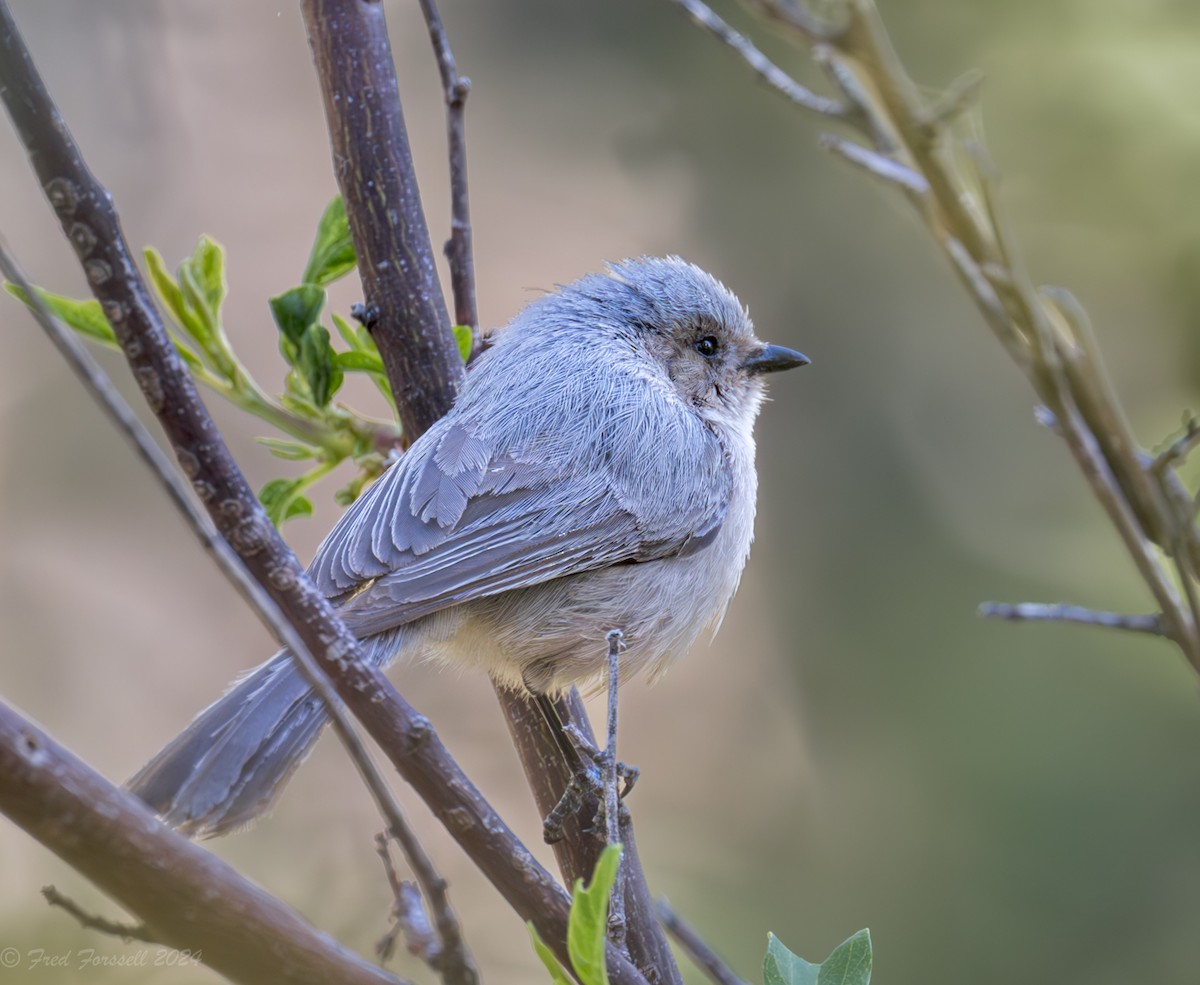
<point x="184" y="896"/>
<point x="125" y="420"/>
<point x="704" y="957"/>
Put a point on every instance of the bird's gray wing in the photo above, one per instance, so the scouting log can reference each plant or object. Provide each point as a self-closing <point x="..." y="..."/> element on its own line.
<point x="456" y="519"/>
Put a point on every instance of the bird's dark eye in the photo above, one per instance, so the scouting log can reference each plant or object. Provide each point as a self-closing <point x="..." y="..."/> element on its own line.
<point x="708" y="346"/>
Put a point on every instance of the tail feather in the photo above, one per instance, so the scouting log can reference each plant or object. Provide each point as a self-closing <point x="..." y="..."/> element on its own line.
<point x="228" y="766"/>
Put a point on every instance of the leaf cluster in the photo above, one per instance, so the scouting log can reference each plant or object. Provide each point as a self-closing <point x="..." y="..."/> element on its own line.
<point x="314" y="427"/>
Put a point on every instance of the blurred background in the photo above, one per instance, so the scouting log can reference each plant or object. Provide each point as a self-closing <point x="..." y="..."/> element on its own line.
<point x="857" y="748"/>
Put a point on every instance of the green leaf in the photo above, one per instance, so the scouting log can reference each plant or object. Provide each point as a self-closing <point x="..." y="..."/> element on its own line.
<point x="205" y="271"/>
<point x="358" y="362"/>
<point x="849" y="964"/>
<point x="465" y="339"/>
<point x="317" y="363"/>
<point x="295" y="311"/>
<point x="86" y="317"/>
<point x="167" y="289"/>
<point x="298" y="506"/>
<point x="332" y="253"/>
<point x="193" y="361"/>
<point x="282" y="500"/>
<point x="292" y="451"/>
<point x="356" y="335"/>
<point x="558" y="974"/>
<point x="346" y="331"/>
<point x="587" y="928"/>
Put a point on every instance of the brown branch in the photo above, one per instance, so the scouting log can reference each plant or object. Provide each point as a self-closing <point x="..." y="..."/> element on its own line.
<point x="548" y="774"/>
<point x="375" y="173"/>
<point x="703" y="956"/>
<point x="458" y="247"/>
<point x="184" y="896"/>
<point x="86" y="211"/>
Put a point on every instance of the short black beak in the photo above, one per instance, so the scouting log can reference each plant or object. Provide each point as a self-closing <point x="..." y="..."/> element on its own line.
<point x="774" y="358"/>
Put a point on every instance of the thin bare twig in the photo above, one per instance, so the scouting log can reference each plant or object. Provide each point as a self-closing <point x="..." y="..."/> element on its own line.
<point x="876" y="163"/>
<point x="617" y="927"/>
<point x="763" y="67"/>
<point x="458" y="247"/>
<point x="450" y="958"/>
<point x="126" y="931"/>
<point x="703" y="956"/>
<point x="1179" y="449"/>
<point x="1047" y="612"/>
<point x="408" y="914"/>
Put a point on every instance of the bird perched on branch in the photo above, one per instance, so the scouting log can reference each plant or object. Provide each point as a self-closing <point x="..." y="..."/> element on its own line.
<point x="596" y="472"/>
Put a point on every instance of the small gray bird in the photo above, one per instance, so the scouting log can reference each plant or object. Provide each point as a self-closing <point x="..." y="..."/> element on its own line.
<point x="596" y="471"/>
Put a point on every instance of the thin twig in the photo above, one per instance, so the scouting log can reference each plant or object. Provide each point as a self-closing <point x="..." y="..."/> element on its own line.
<point x="126" y="931"/>
<point x="612" y="801"/>
<point x="703" y="956"/>
<point x="1179" y="449"/>
<point x="958" y="97"/>
<point x="1052" y="612"/>
<point x="458" y="247"/>
<point x="763" y="67"/>
<point x="409" y="916"/>
<point x="792" y="15"/>
<point x="876" y="163"/>
<point x="453" y="961"/>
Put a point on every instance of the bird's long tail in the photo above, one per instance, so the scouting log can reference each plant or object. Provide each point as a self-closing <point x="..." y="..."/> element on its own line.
<point x="229" y="766"/>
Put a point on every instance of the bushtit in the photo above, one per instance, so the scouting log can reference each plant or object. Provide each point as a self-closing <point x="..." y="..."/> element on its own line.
<point x="595" y="472"/>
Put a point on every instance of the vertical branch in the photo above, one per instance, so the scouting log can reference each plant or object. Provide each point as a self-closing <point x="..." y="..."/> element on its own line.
<point x="548" y="774"/>
<point x="458" y="247"/>
<point x="342" y="33"/>
<point x="405" y="310"/>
